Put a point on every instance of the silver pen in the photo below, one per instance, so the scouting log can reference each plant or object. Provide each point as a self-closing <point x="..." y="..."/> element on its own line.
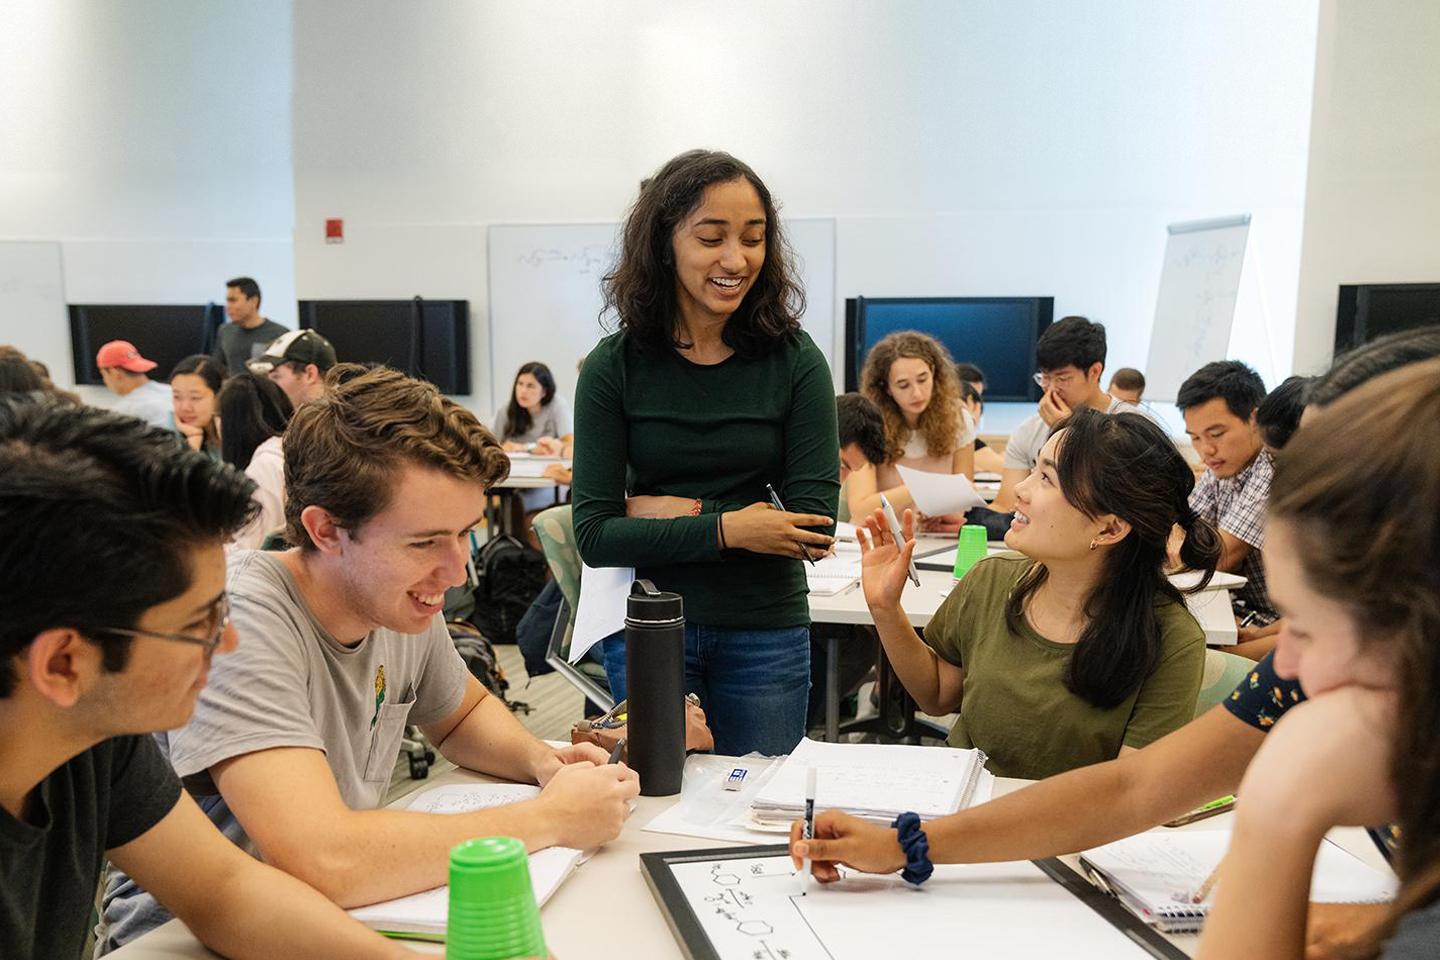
<point x="899" y="536"/>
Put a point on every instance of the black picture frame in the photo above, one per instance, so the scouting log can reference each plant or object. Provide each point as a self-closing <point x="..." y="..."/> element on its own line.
<point x="695" y="944"/>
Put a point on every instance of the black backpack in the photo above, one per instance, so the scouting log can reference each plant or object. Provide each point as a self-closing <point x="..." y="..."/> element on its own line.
<point x="511" y="576"/>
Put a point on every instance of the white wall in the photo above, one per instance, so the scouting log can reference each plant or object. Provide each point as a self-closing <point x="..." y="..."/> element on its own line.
<point x="964" y="148"/>
<point x="151" y="139"/>
<point x="1373" y="199"/>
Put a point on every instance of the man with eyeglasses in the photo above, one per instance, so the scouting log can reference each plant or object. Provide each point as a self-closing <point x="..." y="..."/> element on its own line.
<point x="112" y="604"/>
<point x="1071" y="357"/>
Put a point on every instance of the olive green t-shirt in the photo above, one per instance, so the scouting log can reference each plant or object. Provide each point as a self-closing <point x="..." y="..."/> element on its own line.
<point x="1014" y="703"/>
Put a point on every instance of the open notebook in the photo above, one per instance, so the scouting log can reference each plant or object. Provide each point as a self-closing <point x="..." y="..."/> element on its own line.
<point x="421" y="916"/>
<point x="877" y="782"/>
<point x="1147" y="872"/>
<point x="836" y="573"/>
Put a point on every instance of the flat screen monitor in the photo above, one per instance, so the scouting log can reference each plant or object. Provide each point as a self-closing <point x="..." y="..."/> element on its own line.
<point x="1370" y="310"/>
<point x="429" y="339"/>
<point x="997" y="334"/>
<point x="166" y="333"/>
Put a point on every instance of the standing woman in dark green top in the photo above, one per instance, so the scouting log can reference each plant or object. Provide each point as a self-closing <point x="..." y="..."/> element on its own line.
<point x="709" y="391"/>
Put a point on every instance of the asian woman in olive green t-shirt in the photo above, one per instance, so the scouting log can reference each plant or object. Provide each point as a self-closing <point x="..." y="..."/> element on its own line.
<point x="1080" y="648"/>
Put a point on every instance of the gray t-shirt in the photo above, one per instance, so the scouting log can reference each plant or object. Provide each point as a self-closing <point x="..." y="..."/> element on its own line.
<point x="290" y="684"/>
<point x="1023" y="450"/>
<point x="1417" y="937"/>
<point x="150" y="402"/>
<point x="234" y="345"/>
<point x="555" y="420"/>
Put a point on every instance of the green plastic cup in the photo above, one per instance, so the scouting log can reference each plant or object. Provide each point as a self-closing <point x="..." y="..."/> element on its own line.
<point x="493" y="914"/>
<point x="970" y="549"/>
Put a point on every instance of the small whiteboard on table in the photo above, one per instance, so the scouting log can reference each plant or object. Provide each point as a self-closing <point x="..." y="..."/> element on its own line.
<point x="1195" y="307"/>
<point x="742" y="903"/>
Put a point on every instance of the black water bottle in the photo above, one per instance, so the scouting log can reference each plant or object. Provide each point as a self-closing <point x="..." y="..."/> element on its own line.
<point x="655" y="686"/>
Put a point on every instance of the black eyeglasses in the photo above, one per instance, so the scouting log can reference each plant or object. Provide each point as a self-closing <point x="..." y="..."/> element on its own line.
<point x="221" y="611"/>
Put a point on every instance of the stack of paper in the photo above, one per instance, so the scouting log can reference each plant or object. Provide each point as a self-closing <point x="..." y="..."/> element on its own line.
<point x="873" y="781"/>
<point x="422" y="916"/>
<point x="1152" y="872"/>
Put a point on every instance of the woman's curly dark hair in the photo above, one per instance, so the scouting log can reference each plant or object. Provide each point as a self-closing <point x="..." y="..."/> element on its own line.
<point x="641" y="288"/>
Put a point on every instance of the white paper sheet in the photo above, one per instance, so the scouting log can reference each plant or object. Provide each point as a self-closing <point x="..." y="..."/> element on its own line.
<point x="602" y="606"/>
<point x="940" y="494"/>
<point x="753" y="908"/>
<point x="426" y="912"/>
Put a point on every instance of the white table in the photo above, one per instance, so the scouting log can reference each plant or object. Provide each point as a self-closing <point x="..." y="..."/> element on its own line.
<point x="525" y="474"/>
<point x="606" y="911"/>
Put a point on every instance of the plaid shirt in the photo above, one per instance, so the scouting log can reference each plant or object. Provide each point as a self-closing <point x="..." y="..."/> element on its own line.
<point x="1237" y="506"/>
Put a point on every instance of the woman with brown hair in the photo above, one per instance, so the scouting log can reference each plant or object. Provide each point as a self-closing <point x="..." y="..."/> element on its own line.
<point x="709" y="392"/>
<point x="1353" y="551"/>
<point x="912" y="379"/>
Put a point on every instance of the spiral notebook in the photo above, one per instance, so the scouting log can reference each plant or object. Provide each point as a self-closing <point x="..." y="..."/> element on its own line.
<point x="1147" y="871"/>
<point x="873" y="781"/>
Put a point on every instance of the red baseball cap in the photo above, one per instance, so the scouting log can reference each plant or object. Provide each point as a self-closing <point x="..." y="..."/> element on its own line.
<point x="122" y="354"/>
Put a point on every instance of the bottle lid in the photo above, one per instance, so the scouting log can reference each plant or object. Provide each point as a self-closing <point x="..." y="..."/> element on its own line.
<point x="650" y="606"/>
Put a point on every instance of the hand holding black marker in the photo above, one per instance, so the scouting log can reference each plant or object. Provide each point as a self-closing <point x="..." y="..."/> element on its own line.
<point x="775" y="502"/>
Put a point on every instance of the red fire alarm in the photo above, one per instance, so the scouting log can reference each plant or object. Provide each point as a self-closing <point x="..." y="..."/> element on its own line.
<point x="335" y="230"/>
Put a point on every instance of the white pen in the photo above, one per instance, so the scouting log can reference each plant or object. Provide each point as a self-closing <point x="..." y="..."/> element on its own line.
<point x="899" y="535"/>
<point x="808" y="831"/>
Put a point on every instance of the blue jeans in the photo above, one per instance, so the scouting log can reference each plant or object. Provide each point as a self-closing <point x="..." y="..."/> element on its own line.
<point x="753" y="684"/>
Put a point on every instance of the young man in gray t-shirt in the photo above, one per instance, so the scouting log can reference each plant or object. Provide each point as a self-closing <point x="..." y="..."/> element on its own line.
<point x="342" y="643"/>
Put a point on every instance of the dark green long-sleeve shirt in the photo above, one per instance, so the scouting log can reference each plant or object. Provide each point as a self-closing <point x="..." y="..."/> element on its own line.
<point x="648" y="421"/>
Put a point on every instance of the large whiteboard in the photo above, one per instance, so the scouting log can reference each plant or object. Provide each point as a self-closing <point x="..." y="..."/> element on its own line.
<point x="545" y="294"/>
<point x="1195" y="308"/>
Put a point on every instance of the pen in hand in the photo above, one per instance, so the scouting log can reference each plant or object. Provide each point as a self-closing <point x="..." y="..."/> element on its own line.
<point x="898" y="535"/>
<point x="775" y="502"/>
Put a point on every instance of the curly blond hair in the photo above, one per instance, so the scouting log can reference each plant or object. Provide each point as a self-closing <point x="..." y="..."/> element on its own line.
<point x="940" y="423"/>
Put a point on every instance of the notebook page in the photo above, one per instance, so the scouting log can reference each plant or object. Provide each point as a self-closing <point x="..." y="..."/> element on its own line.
<point x="872" y="776"/>
<point x="1153" y="867"/>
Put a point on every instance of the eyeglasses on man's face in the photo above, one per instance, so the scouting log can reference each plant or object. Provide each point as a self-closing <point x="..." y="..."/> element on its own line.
<point x="1047" y="381"/>
<point x="219" y="621"/>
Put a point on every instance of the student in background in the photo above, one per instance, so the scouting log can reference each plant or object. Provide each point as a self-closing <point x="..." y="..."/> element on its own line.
<point x="1127" y="384"/>
<point x="709" y="391"/>
<point x="1084" y="630"/>
<point x="194" y="389"/>
<point x="297" y="361"/>
<point x="862" y="433"/>
<point x="253" y="413"/>
<point x="971" y="374"/>
<point x="245" y="336"/>
<point x="1358" y="578"/>
<point x="125" y="371"/>
<point x="987" y="458"/>
<point x="17" y="375"/>
<point x="91" y="664"/>
<point x="535" y="413"/>
<point x="294" y="739"/>
<point x="1219" y="402"/>
<point x="1149" y="786"/>
<point x="911" y="379"/>
<point x="1071" y="357"/>
<point x="1278" y="416"/>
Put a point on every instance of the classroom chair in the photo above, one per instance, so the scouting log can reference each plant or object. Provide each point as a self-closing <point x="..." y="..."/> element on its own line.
<point x="1223" y="673"/>
<point x="555" y="529"/>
